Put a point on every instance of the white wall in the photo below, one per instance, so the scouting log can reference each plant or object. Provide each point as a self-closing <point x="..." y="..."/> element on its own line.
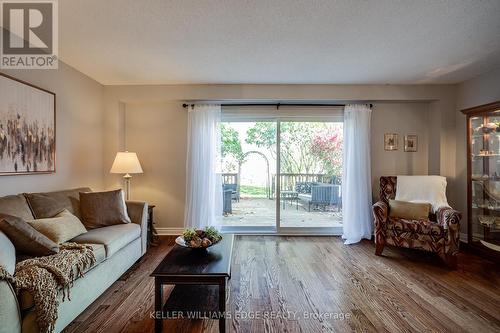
<point x="158" y="133"/>
<point x="151" y="121"/>
<point x="79" y="139"/>
<point x="403" y="119"/>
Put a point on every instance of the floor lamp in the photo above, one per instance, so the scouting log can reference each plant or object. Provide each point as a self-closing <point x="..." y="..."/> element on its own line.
<point x="126" y="163"/>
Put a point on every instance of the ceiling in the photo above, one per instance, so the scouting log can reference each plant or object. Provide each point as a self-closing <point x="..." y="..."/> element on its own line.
<point x="280" y="41"/>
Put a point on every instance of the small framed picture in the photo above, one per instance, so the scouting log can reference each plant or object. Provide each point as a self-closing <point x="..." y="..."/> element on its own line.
<point x="411" y="143"/>
<point x="390" y="141"/>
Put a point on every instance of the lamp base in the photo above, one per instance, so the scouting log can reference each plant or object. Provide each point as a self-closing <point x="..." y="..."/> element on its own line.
<point x="127" y="186"/>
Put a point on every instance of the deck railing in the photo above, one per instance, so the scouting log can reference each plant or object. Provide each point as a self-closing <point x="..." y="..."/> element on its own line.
<point x="288" y="181"/>
<point x="229" y="178"/>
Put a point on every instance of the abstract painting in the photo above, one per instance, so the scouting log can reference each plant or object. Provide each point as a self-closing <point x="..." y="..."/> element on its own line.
<point x="27" y="128"/>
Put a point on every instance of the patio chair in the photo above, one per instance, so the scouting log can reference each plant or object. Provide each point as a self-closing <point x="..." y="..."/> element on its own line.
<point x="227" y="202"/>
<point x="235" y="194"/>
<point x="325" y="195"/>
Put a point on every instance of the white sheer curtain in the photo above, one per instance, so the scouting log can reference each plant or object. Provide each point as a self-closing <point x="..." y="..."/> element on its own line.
<point x="356" y="179"/>
<point x="204" y="183"/>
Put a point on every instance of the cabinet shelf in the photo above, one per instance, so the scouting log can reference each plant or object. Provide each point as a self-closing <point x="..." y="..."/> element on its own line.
<point x="486" y="208"/>
<point x="484" y="179"/>
<point x="485" y="155"/>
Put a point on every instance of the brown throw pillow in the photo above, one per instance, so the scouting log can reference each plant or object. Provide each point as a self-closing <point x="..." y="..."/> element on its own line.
<point x="102" y="209"/>
<point x="43" y="206"/>
<point x="25" y="238"/>
<point x="60" y="228"/>
<point x="409" y="210"/>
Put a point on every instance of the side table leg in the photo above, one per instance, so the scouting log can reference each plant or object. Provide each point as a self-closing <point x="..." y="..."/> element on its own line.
<point x="158" y="305"/>
<point x="222" y="306"/>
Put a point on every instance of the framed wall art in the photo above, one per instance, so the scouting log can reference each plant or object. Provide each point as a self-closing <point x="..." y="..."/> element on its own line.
<point x="411" y="143"/>
<point x="27" y="128"/>
<point x="390" y="141"/>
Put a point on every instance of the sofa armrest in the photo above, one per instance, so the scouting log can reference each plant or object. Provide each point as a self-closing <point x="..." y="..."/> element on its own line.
<point x="449" y="219"/>
<point x="138" y="213"/>
<point x="380" y="213"/>
<point x="10" y="315"/>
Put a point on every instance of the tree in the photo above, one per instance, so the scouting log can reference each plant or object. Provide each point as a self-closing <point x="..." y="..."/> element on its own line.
<point x="327" y="146"/>
<point x="231" y="146"/>
<point x="296" y="143"/>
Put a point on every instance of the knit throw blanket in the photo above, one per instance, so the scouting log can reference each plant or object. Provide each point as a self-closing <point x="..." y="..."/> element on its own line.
<point x="42" y="277"/>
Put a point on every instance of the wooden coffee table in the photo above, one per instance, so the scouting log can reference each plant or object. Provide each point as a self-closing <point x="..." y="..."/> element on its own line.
<point x="199" y="277"/>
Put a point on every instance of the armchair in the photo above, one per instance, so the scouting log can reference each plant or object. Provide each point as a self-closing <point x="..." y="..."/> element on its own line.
<point x="439" y="233"/>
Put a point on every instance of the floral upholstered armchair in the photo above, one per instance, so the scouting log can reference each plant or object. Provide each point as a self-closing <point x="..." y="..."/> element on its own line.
<point x="439" y="233"/>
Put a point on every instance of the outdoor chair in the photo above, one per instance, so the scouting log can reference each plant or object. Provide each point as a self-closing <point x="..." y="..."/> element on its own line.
<point x="235" y="194"/>
<point x="227" y="201"/>
<point x="325" y="195"/>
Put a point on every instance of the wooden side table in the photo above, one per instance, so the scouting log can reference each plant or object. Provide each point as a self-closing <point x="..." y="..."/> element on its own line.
<point x="153" y="238"/>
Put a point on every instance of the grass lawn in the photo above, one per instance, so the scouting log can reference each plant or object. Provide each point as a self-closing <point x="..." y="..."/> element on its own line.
<point x="253" y="191"/>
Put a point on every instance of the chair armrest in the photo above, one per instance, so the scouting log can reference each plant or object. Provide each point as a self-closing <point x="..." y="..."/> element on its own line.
<point x="138" y="213"/>
<point x="380" y="212"/>
<point x="449" y="219"/>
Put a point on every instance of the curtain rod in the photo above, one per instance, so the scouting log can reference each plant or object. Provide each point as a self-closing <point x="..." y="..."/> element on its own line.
<point x="274" y="104"/>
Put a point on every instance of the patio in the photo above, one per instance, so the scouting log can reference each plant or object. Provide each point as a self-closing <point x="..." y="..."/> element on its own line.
<point x="251" y="211"/>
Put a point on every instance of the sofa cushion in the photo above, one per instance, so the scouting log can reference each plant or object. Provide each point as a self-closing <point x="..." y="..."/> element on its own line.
<point x="15" y="205"/>
<point x="26" y="239"/>
<point x="102" y="209"/>
<point x="43" y="206"/>
<point x="113" y="238"/>
<point x="60" y="228"/>
<point x="69" y="199"/>
<point x="26" y="301"/>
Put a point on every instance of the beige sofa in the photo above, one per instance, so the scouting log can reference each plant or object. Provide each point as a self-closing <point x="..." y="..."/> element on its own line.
<point x="116" y="248"/>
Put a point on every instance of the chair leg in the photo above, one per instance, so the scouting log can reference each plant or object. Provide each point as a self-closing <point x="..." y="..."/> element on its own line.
<point x="379" y="247"/>
<point x="449" y="260"/>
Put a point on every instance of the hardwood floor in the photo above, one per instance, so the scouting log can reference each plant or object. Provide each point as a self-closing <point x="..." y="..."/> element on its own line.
<point x="317" y="284"/>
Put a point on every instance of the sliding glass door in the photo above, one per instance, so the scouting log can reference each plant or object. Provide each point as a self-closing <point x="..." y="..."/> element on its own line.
<point x="248" y="161"/>
<point x="310" y="158"/>
<point x="282" y="175"/>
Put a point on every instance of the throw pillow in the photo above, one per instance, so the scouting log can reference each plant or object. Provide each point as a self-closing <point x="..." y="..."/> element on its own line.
<point x="409" y="210"/>
<point x="26" y="239"/>
<point x="60" y="228"/>
<point x="102" y="209"/>
<point x="43" y="206"/>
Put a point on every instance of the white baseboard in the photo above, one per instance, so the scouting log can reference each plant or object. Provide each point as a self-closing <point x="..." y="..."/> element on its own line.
<point x="169" y="231"/>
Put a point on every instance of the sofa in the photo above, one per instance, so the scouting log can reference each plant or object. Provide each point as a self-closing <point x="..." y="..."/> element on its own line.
<point x="116" y="249"/>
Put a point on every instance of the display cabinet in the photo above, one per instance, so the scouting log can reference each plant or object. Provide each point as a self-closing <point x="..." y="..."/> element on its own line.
<point x="483" y="178"/>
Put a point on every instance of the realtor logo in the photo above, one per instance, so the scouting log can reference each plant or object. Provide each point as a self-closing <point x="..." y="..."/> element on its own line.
<point x="29" y="34"/>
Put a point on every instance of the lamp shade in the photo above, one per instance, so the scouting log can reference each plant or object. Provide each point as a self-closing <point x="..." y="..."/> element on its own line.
<point x="126" y="162"/>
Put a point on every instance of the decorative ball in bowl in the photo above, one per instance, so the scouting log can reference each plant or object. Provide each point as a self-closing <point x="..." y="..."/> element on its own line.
<point x="199" y="238"/>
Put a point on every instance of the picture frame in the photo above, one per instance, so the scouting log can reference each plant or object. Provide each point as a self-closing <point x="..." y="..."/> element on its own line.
<point x="391" y="141"/>
<point x="27" y="128"/>
<point x="411" y="143"/>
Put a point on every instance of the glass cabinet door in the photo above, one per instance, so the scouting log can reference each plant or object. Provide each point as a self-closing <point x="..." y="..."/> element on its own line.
<point x="485" y="179"/>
